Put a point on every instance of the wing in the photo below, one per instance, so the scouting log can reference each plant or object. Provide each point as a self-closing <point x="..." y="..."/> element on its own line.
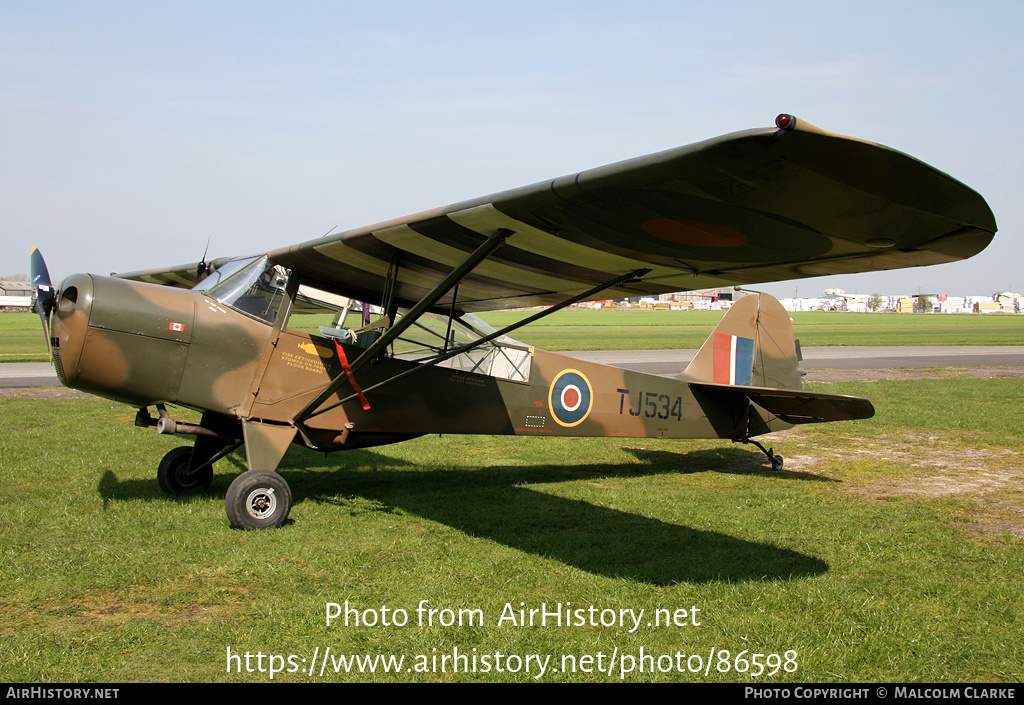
<point x="182" y="276"/>
<point x="751" y="207"/>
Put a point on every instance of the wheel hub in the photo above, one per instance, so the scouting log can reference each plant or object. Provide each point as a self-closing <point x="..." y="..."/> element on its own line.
<point x="261" y="502"/>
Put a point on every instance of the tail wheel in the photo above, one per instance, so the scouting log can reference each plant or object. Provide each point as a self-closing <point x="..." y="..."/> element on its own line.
<point x="174" y="477"/>
<point x="258" y="499"/>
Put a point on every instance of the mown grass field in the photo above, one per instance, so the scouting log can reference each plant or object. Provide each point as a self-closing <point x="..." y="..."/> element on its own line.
<point x="889" y="550"/>
<point x="653" y="330"/>
<point x="21" y="338"/>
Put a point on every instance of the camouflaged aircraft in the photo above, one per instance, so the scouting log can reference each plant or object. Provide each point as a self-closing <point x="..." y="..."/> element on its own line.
<point x="369" y="336"/>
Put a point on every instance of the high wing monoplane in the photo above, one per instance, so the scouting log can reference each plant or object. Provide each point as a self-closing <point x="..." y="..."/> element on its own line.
<point x="369" y="336"/>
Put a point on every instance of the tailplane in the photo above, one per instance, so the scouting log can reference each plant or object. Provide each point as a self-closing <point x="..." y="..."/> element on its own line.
<point x="746" y="377"/>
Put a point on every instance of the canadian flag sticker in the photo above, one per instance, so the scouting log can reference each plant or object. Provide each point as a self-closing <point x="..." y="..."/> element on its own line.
<point x="179" y="327"/>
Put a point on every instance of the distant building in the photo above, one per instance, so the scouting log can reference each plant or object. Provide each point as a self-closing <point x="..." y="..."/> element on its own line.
<point x="15" y="295"/>
<point x="837" y="300"/>
<point x="15" y="288"/>
<point x="832" y="300"/>
<point x="726" y="293"/>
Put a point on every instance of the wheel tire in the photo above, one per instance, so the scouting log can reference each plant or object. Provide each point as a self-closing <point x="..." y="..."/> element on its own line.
<point x="258" y="499"/>
<point x="777" y="462"/>
<point x="174" y="478"/>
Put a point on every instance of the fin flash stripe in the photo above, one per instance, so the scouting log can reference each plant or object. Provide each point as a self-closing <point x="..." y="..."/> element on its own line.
<point x="734" y="359"/>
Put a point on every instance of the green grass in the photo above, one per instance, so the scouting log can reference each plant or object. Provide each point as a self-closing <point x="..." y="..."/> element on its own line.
<point x="650" y="330"/>
<point x="21" y="336"/>
<point x="889" y="550"/>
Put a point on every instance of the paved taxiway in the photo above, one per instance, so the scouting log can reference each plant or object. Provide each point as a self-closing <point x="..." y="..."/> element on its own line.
<point x="40" y="374"/>
<point x="837" y="358"/>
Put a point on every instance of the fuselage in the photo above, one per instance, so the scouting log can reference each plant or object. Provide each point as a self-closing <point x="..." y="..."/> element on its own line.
<point x="145" y="344"/>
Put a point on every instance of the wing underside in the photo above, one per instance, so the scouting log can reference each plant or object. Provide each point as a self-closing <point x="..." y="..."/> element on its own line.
<point x="751" y="207"/>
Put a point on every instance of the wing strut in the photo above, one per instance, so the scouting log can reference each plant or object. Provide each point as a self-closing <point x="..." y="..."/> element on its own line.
<point x="380" y="345"/>
<point x="311" y="410"/>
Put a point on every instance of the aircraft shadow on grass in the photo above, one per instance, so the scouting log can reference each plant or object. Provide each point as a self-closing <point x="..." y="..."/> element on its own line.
<point x="494" y="503"/>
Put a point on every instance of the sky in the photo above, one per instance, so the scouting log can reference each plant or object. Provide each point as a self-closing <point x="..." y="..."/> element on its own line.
<point x="132" y="133"/>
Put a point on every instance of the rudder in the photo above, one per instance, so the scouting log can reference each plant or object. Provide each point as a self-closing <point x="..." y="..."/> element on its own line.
<point x="753" y="346"/>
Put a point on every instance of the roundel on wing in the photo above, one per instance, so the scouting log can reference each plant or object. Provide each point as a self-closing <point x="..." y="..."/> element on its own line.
<point x="570" y="398"/>
<point x="674" y="226"/>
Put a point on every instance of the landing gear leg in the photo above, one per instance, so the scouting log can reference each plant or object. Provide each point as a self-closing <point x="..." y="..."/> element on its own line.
<point x="750" y="424"/>
<point x="775" y="460"/>
<point x="189" y="469"/>
<point x="175" y="476"/>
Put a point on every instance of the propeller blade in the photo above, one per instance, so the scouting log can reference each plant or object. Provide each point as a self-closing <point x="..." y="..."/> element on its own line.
<point x="204" y="267"/>
<point x="42" y="287"/>
<point x="43" y="293"/>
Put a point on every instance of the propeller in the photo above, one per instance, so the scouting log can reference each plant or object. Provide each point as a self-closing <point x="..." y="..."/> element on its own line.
<point x="43" y="294"/>
<point x="203" y="268"/>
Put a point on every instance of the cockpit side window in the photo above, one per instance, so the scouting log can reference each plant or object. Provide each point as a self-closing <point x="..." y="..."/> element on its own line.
<point x="256" y="288"/>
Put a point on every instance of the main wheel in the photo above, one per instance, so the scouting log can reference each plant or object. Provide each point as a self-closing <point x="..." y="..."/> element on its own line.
<point x="258" y="499"/>
<point x="777" y="462"/>
<point x="174" y="477"/>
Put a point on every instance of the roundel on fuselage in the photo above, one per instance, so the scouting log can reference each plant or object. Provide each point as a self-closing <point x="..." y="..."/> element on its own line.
<point x="570" y="398"/>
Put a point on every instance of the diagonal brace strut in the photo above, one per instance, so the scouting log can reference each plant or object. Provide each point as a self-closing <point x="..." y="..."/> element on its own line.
<point x="635" y="274"/>
<point x="443" y="287"/>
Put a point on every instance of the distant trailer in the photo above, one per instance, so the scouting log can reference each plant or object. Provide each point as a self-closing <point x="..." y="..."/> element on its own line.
<point x="15" y="303"/>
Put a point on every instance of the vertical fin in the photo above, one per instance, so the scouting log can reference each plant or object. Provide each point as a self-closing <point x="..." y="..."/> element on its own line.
<point x="752" y="346"/>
